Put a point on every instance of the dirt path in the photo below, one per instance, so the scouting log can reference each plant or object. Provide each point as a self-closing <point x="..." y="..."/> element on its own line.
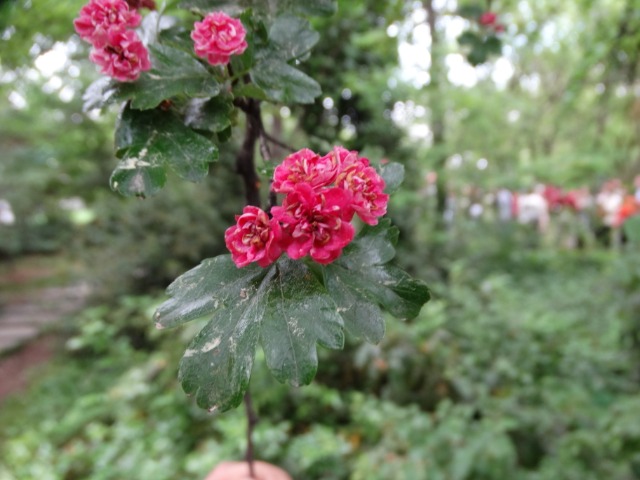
<point x="23" y="317"/>
<point x="15" y="368"/>
<point x="34" y="300"/>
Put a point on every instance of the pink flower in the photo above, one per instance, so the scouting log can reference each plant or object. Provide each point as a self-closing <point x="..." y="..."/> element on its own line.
<point x="488" y="18"/>
<point x="217" y="37"/>
<point x="315" y="222"/>
<point x="100" y="17"/>
<point x="124" y="57"/>
<point x="342" y="155"/>
<point x="254" y="238"/>
<point x="304" y="166"/>
<point x="367" y="187"/>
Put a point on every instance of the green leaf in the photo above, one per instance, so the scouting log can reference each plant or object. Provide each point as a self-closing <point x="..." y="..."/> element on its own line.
<point x="177" y="37"/>
<point x="493" y="45"/>
<point x="101" y="93"/>
<point x="213" y="115"/>
<point x="241" y="64"/>
<point x="148" y="141"/>
<point x="360" y="278"/>
<point x="469" y="38"/>
<point x="299" y="314"/>
<point x="292" y="37"/>
<point x="358" y="307"/>
<point x="141" y="178"/>
<point x="393" y="175"/>
<point x="211" y="5"/>
<point x="225" y="135"/>
<point x="361" y="314"/>
<point x="471" y="11"/>
<point x="374" y="245"/>
<point x="315" y="7"/>
<point x="217" y="365"/>
<point x="174" y="72"/>
<point x="249" y="90"/>
<point x="283" y="307"/>
<point x="477" y="55"/>
<point x="283" y="83"/>
<point x="303" y="7"/>
<point x="213" y="284"/>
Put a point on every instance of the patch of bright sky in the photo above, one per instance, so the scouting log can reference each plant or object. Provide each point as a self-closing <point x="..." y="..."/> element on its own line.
<point x="17" y="101"/>
<point x="55" y="60"/>
<point x="414" y="44"/>
<point x="47" y="66"/>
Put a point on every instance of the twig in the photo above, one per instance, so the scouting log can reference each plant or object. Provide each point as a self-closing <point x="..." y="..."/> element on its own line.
<point x="245" y="161"/>
<point x="252" y="419"/>
<point x="246" y="168"/>
<point x="277" y="142"/>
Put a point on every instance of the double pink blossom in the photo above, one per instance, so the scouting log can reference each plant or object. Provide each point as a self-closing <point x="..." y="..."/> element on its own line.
<point x="322" y="194"/>
<point x="307" y="167"/>
<point x="365" y="185"/>
<point x="315" y="223"/>
<point x="123" y="58"/>
<point x="254" y="238"/>
<point x="488" y="18"/>
<point x="99" y="18"/>
<point x="117" y="50"/>
<point x="217" y="37"/>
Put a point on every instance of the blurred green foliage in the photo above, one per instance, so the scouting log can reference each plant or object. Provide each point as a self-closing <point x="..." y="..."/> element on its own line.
<point x="526" y="365"/>
<point x="519" y="369"/>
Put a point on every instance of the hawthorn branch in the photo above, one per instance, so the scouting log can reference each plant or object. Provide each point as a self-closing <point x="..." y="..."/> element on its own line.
<point x="252" y="419"/>
<point x="245" y="161"/>
<point x="246" y="168"/>
<point x="277" y="142"/>
<point x="266" y="154"/>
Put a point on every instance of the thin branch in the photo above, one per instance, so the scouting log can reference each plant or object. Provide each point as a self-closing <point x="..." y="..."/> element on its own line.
<point x="245" y="161"/>
<point x="277" y="142"/>
<point x="252" y="419"/>
<point x="264" y="147"/>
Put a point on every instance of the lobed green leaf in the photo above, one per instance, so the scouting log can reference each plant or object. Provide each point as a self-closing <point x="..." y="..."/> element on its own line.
<point x="287" y="309"/>
<point x="148" y="142"/>
<point x="283" y="83"/>
<point x="174" y="72"/>
<point x="361" y="279"/>
<point x="393" y="175"/>
<point x="284" y="307"/>
<point x="299" y="313"/>
<point x="212" y="285"/>
<point x="291" y="37"/>
<point x="217" y="365"/>
<point x="213" y="115"/>
<point x="302" y="7"/>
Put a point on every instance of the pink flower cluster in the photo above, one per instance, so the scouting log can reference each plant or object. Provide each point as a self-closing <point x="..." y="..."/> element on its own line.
<point x="322" y="195"/>
<point x="217" y="37"/>
<point x="490" y="20"/>
<point x="117" y="50"/>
